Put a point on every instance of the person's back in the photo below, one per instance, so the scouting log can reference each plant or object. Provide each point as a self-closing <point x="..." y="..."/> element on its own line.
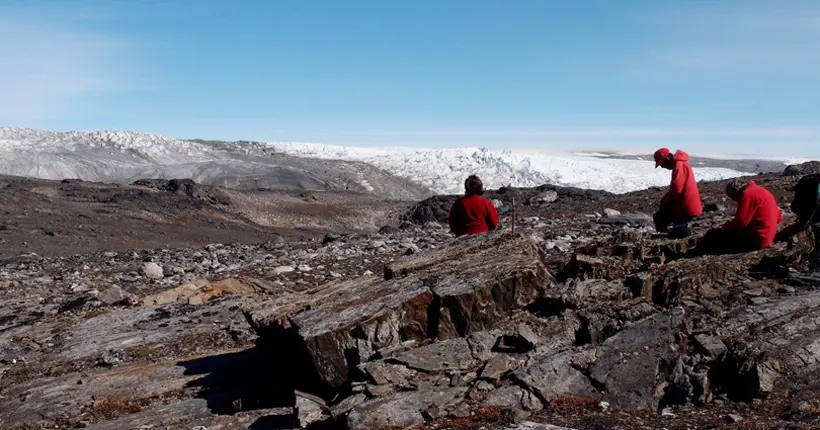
<point x="683" y="194"/>
<point x="757" y="214"/>
<point x="473" y="214"/>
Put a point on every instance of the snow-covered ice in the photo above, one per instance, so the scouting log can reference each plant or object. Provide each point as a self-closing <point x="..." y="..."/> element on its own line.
<point x="117" y="156"/>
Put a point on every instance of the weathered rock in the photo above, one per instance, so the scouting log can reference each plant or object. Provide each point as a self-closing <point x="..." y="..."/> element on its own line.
<point x="112" y="295"/>
<point x="403" y="410"/>
<point x="440" y="357"/>
<point x="807" y="168"/>
<point x="771" y="343"/>
<point x="513" y="397"/>
<point x="309" y="409"/>
<point x="152" y="270"/>
<point x="630" y="219"/>
<point x="498" y="366"/>
<point x="200" y="291"/>
<point x="711" y="345"/>
<point x="557" y="375"/>
<point x="695" y="277"/>
<point x="548" y="196"/>
<point x="283" y="269"/>
<point x="585" y="267"/>
<point x="633" y="365"/>
<point x="426" y="297"/>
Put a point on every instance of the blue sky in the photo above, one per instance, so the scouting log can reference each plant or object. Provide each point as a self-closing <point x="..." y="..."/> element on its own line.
<point x="728" y="76"/>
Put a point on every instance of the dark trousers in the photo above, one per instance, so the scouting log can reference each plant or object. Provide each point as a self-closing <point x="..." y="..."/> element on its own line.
<point x="666" y="217"/>
<point x="719" y="241"/>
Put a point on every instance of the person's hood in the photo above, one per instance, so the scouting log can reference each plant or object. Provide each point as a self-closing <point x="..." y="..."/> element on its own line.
<point x="680" y="156"/>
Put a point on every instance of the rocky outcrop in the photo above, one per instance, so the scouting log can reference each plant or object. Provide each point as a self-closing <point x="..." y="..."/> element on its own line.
<point x="807" y="168"/>
<point x="423" y="298"/>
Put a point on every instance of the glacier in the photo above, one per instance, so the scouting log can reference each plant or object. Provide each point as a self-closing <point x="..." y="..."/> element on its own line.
<point x="397" y="172"/>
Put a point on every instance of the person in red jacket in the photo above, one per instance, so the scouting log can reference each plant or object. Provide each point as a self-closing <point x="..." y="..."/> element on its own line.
<point x="473" y="214"/>
<point x="754" y="225"/>
<point x="757" y="214"/>
<point x="681" y="204"/>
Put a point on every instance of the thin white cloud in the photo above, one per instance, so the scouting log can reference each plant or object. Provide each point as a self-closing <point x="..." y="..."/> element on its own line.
<point x="734" y="35"/>
<point x="47" y="68"/>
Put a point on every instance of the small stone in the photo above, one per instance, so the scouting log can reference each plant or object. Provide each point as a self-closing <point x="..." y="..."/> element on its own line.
<point x="528" y="335"/>
<point x="283" y="269"/>
<point x="611" y="212"/>
<point x="112" y="295"/>
<point x="152" y="270"/>
<point x="109" y="254"/>
<point x="754" y="292"/>
<point x="713" y="346"/>
<point x="734" y="418"/>
<point x="309" y="409"/>
<point x="543" y="198"/>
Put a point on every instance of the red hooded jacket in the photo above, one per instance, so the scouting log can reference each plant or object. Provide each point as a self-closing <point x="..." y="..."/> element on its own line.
<point x="683" y="195"/>
<point x="758" y="214"/>
<point x="472" y="215"/>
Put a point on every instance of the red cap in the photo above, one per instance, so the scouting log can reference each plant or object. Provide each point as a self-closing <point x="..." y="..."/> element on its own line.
<point x="660" y="155"/>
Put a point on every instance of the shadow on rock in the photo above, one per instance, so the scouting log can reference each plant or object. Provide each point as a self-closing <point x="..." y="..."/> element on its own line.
<point x="241" y="381"/>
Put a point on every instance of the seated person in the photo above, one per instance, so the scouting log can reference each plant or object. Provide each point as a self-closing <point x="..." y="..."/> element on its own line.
<point x="473" y="214"/>
<point x="681" y="204"/>
<point x="753" y="227"/>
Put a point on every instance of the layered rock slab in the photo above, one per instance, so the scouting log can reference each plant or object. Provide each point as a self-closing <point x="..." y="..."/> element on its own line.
<point x="771" y="344"/>
<point x="468" y="285"/>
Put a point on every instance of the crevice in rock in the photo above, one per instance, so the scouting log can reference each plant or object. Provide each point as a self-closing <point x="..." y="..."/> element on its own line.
<point x="585" y="370"/>
<point x="286" y="351"/>
<point x="587" y="335"/>
<point x="547" y="307"/>
<point x="734" y="376"/>
<point x="434" y="316"/>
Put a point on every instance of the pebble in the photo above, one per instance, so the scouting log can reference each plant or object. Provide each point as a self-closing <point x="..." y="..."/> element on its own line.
<point x="282" y="269"/>
<point x="734" y="418"/>
<point x="152" y="270"/>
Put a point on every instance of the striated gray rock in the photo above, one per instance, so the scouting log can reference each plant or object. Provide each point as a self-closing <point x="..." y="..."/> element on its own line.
<point x="634" y="365"/>
<point x="772" y="344"/>
<point x="424" y="297"/>
<point x="558" y="375"/>
<point x="405" y="409"/>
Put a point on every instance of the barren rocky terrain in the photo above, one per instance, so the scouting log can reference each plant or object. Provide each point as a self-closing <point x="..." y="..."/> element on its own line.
<point x="172" y="305"/>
